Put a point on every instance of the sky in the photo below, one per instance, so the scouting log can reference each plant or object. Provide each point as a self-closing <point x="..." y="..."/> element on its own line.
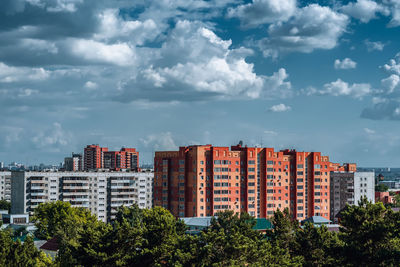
<point x="156" y="75"/>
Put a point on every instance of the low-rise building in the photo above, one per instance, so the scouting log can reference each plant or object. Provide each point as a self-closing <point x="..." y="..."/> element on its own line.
<point x="384" y="197"/>
<point x="102" y="192"/>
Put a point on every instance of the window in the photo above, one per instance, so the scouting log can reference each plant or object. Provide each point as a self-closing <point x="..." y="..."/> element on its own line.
<point x="299" y="166"/>
<point x="251" y="162"/>
<point x="270" y="162"/>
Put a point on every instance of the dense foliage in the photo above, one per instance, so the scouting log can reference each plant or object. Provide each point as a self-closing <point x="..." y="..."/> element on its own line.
<point x="369" y="236"/>
<point x="5" y="205"/>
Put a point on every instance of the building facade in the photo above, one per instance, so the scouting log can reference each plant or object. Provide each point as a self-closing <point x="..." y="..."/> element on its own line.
<point x="199" y="181"/>
<point x="101" y="192"/>
<point x="93" y="157"/>
<point x="5" y="185"/>
<point x="96" y="157"/>
<point x="348" y="187"/>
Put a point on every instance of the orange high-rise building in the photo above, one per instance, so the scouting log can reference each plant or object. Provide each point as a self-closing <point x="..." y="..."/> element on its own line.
<point x="96" y="157"/>
<point x="93" y="157"/>
<point x="199" y="181"/>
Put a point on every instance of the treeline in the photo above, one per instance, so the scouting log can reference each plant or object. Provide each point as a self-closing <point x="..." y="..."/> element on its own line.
<point x="369" y="236"/>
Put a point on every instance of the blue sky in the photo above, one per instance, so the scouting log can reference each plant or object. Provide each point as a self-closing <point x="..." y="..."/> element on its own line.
<point x="156" y="75"/>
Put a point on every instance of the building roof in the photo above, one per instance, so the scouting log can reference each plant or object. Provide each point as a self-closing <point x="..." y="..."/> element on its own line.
<point x="262" y="224"/>
<point x="316" y="220"/>
<point x="51" y="244"/>
<point x="197" y="221"/>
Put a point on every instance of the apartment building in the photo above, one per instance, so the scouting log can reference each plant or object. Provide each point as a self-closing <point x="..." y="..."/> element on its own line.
<point x="74" y="163"/>
<point x="347" y="187"/>
<point x="101" y="192"/>
<point x="199" y="181"/>
<point x="5" y="185"/>
<point x="96" y="157"/>
<point x="93" y="157"/>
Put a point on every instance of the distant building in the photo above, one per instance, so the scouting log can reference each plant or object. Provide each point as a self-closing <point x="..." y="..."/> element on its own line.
<point x="201" y="180"/>
<point x="96" y="157"/>
<point x="74" y="163"/>
<point x="93" y="157"/>
<point x="5" y="185"/>
<point x="1" y="165"/>
<point x="102" y="192"/>
<point x="348" y="188"/>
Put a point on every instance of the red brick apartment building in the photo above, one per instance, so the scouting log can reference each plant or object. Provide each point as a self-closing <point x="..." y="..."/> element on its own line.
<point x="201" y="180"/>
<point x="96" y="157"/>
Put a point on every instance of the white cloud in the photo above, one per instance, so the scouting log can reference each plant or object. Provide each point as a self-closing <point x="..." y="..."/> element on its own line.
<point x="9" y="74"/>
<point x="341" y="88"/>
<point x="312" y="27"/>
<point x="364" y="10"/>
<point x="369" y="131"/>
<point x="280" y="108"/>
<point x="372" y="46"/>
<point x="390" y="83"/>
<point x="345" y="64"/>
<point x="263" y="11"/>
<point x="161" y="141"/>
<point x="195" y="64"/>
<point x="119" y="54"/>
<point x="56" y="5"/>
<point x="112" y="26"/>
<point x="394" y="7"/>
<point x="53" y="138"/>
<point x="394" y="65"/>
<point x="91" y="85"/>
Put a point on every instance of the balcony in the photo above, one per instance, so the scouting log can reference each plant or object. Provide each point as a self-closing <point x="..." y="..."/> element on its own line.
<point x="75" y="193"/>
<point x="38" y="194"/>
<point x="36" y="187"/>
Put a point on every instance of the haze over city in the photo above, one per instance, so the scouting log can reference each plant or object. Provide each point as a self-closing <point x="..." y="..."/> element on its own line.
<point x="155" y="75"/>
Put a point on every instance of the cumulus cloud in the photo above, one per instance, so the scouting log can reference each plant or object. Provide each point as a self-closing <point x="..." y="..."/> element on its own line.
<point x="312" y="27"/>
<point x="196" y="64"/>
<point x="280" y="108"/>
<point x="91" y="85"/>
<point x="52" y="138"/>
<point x="10" y="74"/>
<point x="390" y="83"/>
<point x="393" y="65"/>
<point x="263" y="11"/>
<point x="345" y="64"/>
<point x="388" y="109"/>
<point x="364" y="10"/>
<point x="161" y="141"/>
<point x="374" y="46"/>
<point x="341" y="88"/>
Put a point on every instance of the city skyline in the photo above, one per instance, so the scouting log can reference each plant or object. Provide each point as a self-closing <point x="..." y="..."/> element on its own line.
<point x="156" y="75"/>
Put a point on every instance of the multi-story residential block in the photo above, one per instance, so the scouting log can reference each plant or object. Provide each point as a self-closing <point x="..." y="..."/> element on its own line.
<point x="101" y="192"/>
<point x="347" y="187"/>
<point x="126" y="158"/>
<point x="199" y="181"/>
<point x="5" y="185"/>
<point x="96" y="157"/>
<point x="74" y="163"/>
<point x="93" y="157"/>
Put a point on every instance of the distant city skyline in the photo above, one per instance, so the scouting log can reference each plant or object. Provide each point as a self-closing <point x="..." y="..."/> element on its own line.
<point x="156" y="75"/>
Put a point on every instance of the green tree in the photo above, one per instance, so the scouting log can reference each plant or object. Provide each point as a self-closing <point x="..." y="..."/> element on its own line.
<point x="317" y="246"/>
<point x="5" y="205"/>
<point x="284" y="231"/>
<point x="15" y="253"/>
<point x="370" y="234"/>
<point x="51" y="217"/>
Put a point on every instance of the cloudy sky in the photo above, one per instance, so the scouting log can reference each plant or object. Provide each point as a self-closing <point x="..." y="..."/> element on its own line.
<point x="311" y="75"/>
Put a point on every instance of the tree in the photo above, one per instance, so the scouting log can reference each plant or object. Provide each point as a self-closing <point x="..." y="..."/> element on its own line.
<point x="5" y="205"/>
<point x="370" y="234"/>
<point x="15" y="253"/>
<point x="381" y="188"/>
<point x="51" y="217"/>
<point x="283" y="233"/>
<point x="317" y="246"/>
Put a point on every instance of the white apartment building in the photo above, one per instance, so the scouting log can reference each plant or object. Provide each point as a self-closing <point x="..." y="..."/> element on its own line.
<point x="102" y="192"/>
<point x="5" y="185"/>
<point x="348" y="188"/>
